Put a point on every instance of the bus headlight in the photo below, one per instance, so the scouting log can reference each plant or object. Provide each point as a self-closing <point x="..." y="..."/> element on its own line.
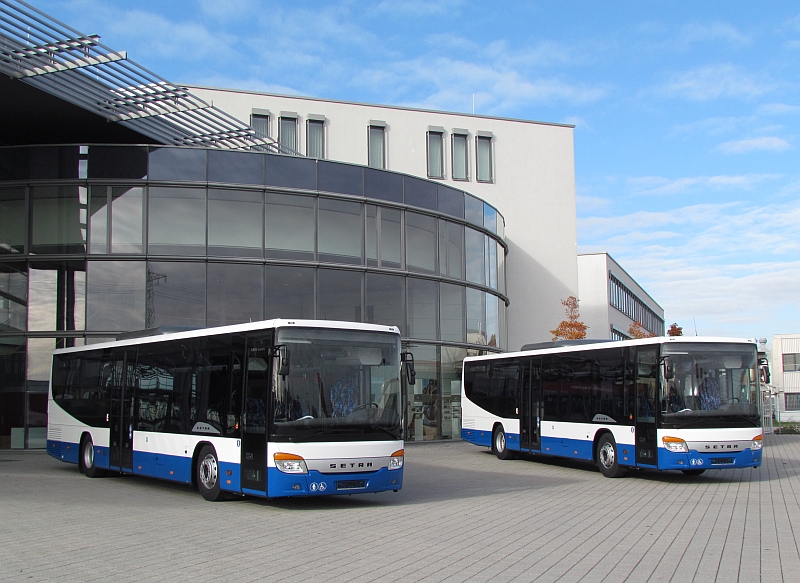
<point x="290" y="463"/>
<point x="396" y="461"/>
<point x="758" y="443"/>
<point x="675" y="444"/>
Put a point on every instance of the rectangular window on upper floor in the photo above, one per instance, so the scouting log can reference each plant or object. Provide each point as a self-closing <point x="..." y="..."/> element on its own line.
<point x="484" y="162"/>
<point x="435" y="148"/>
<point x="315" y="138"/>
<point x="791" y="362"/>
<point x="460" y="149"/>
<point x="287" y="131"/>
<point x="376" y="144"/>
<point x="260" y="122"/>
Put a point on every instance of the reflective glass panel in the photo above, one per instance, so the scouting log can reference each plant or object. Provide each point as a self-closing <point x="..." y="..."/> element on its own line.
<point x="473" y="210"/>
<point x="491" y="262"/>
<point x="421" y="242"/>
<point x="476" y="316"/>
<point x="59" y="219"/>
<point x="452" y="359"/>
<point x="339" y="295"/>
<point x="98" y="219"/>
<point x="501" y="268"/>
<point x="451" y="249"/>
<point x="289" y="292"/>
<point x="13" y="297"/>
<point x="475" y="243"/>
<point x="127" y="204"/>
<point x="383" y="185"/>
<point x="451" y="201"/>
<point x="490" y="218"/>
<point x="290" y="172"/>
<point x="341" y="231"/>
<point x="177" y="221"/>
<point x="178" y="164"/>
<point x="419" y="192"/>
<point x="371" y="239"/>
<point x="115" y="295"/>
<point x="57" y="296"/>
<point x="235" y="167"/>
<point x="385" y="300"/>
<point x="235" y="293"/>
<point x="178" y="296"/>
<point x="290" y="226"/>
<point x="117" y="162"/>
<point x="391" y="238"/>
<point x="423" y="301"/>
<point x="40" y="357"/>
<point x="341" y="178"/>
<point x="235" y="223"/>
<point x="12" y="220"/>
<point x="12" y="368"/>
<point x="492" y="320"/>
<point x="451" y="310"/>
<point x="502" y="315"/>
<point x="423" y="400"/>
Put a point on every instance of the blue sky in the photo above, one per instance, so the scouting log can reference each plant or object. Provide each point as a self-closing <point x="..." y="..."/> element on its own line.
<point x="686" y="114"/>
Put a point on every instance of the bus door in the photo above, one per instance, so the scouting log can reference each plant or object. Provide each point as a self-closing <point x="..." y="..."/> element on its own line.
<point x="646" y="375"/>
<point x="530" y="404"/>
<point x="256" y="406"/>
<point x="120" y="454"/>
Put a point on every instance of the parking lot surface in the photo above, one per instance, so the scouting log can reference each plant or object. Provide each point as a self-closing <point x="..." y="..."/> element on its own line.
<point x="462" y="515"/>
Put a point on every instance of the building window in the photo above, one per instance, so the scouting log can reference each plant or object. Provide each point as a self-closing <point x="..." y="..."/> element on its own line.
<point x="792" y="401"/>
<point x="435" y="154"/>
<point x="460" y="157"/>
<point x="315" y="138"/>
<point x="377" y="146"/>
<point x="260" y="123"/>
<point x="791" y="363"/>
<point x="287" y="132"/>
<point x="484" y="162"/>
<point x="624" y="300"/>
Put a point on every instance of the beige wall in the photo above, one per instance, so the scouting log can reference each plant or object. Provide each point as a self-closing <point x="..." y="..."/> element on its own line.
<point x="534" y="187"/>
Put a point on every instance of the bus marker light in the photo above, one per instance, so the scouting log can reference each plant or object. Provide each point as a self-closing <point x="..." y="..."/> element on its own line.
<point x="675" y="444"/>
<point x="228" y="472"/>
<point x="290" y="463"/>
<point x="396" y="460"/>
<point x="758" y="442"/>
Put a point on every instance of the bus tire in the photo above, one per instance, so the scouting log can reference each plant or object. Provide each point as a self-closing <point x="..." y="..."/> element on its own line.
<point x="86" y="460"/>
<point x="693" y="472"/>
<point x="208" y="478"/>
<point x="607" y="458"/>
<point x="499" y="444"/>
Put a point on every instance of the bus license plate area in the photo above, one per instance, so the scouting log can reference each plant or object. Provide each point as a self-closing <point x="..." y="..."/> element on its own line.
<point x="721" y="461"/>
<point x="351" y="484"/>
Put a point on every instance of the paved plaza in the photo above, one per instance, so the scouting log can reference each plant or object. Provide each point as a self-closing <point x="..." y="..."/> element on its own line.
<point x="463" y="515"/>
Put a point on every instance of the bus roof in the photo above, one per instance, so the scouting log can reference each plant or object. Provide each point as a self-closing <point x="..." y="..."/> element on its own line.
<point x="131" y="339"/>
<point x="604" y="344"/>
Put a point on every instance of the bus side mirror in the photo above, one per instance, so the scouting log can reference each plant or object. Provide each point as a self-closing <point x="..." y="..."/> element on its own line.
<point x="284" y="356"/>
<point x="763" y="370"/>
<point x="411" y="374"/>
<point x="669" y="370"/>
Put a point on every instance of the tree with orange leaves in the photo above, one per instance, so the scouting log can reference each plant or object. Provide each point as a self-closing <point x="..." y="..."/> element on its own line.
<point x="638" y="331"/>
<point x="675" y="330"/>
<point x="571" y="328"/>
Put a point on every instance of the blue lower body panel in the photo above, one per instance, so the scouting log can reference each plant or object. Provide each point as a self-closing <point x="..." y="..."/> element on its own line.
<point x="571" y="448"/>
<point x="64" y="451"/>
<point x="316" y="483"/>
<point x="483" y="438"/>
<point x="694" y="460"/>
<point x="166" y="467"/>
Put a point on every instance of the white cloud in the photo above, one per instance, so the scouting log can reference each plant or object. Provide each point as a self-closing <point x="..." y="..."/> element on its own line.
<point x="717" y="31"/>
<point x="778" y="109"/>
<point x="766" y="143"/>
<point x="587" y="204"/>
<point x="715" y="82"/>
<point x="652" y="185"/>
<point x="712" y="126"/>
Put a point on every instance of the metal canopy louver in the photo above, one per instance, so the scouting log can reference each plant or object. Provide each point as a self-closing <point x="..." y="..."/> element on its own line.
<point x="55" y="58"/>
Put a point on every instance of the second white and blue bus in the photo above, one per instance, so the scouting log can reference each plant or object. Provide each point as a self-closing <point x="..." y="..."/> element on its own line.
<point x="667" y="403"/>
<point x="274" y="408"/>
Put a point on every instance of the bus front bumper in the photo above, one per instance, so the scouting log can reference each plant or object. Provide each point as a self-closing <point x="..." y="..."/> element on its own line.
<point x="695" y="460"/>
<point x="315" y="483"/>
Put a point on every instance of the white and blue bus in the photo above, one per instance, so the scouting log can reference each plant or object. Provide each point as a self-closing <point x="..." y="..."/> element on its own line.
<point x="273" y="408"/>
<point x="673" y="403"/>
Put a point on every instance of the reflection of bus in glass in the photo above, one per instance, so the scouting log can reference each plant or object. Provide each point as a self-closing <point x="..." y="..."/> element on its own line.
<point x="674" y="403"/>
<point x="274" y="408"/>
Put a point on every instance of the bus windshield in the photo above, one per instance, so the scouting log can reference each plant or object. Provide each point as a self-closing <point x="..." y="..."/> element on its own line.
<point x="342" y="385"/>
<point x="712" y="385"/>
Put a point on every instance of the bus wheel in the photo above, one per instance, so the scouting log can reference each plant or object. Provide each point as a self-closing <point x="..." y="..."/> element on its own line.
<point x="607" y="459"/>
<point x="693" y="472"/>
<point x="208" y="481"/>
<point x="87" y="465"/>
<point x="499" y="445"/>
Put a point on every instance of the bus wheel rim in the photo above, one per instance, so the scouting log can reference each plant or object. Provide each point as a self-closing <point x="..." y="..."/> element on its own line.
<point x="208" y="471"/>
<point x="88" y="454"/>
<point x="607" y="455"/>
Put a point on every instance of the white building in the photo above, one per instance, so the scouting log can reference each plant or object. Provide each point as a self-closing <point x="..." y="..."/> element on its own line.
<point x="611" y="300"/>
<point x="785" y="373"/>
<point x="523" y="168"/>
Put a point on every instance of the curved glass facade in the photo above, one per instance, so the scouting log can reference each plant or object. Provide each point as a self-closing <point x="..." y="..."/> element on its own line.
<point x="96" y="240"/>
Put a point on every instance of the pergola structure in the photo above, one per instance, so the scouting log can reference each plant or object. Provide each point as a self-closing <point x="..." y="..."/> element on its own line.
<point x="38" y="50"/>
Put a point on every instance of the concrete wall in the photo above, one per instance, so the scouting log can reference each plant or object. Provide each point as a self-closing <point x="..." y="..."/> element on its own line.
<point x="534" y="186"/>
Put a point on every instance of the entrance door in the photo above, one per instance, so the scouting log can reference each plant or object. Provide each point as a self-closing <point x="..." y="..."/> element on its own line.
<point x="120" y="455"/>
<point x="256" y="413"/>
<point x="530" y="403"/>
<point x="646" y="385"/>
